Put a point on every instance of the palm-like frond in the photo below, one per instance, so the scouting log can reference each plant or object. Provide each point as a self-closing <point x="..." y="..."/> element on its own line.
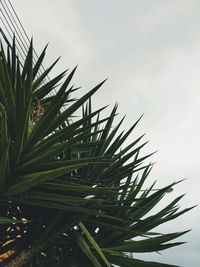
<point x="69" y="194"/>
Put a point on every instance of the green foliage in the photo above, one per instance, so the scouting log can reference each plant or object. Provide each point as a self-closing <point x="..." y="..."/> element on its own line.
<point x="69" y="193"/>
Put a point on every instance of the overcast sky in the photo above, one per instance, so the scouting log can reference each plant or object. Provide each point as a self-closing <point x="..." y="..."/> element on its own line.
<point x="150" y="50"/>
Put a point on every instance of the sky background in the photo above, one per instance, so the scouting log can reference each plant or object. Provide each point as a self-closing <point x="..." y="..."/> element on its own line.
<point x="150" y="50"/>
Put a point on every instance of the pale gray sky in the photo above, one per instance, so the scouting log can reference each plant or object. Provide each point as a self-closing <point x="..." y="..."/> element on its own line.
<point x="150" y="50"/>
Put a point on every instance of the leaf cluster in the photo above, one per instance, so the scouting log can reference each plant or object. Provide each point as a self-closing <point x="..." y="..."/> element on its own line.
<point x="69" y="193"/>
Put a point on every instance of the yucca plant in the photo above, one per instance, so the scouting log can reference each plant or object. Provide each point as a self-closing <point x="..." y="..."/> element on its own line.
<point x="70" y="195"/>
